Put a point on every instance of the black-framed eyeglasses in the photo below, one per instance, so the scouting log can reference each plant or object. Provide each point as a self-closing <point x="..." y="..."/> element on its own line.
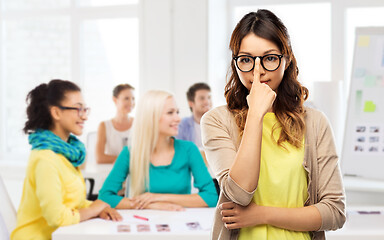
<point x="269" y="62"/>
<point x="81" y="111"/>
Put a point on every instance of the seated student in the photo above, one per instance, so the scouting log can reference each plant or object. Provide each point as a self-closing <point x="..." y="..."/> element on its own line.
<point x="114" y="134"/>
<point x="199" y="101"/>
<point x="157" y="165"/>
<point x="54" y="189"/>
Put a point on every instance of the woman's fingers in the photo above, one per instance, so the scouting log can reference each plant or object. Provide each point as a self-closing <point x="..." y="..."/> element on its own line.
<point x="227" y="205"/>
<point x="227" y="213"/>
<point x="230" y="219"/>
<point x="110" y="214"/>
<point x="261" y="96"/>
<point x="143" y="200"/>
<point x="256" y="72"/>
<point x="231" y="225"/>
<point x="115" y="215"/>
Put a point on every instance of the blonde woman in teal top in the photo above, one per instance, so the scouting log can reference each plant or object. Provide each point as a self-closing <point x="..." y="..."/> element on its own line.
<point x="158" y="166"/>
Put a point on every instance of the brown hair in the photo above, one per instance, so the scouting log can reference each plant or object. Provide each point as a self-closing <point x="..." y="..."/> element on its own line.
<point x="121" y="87"/>
<point x="194" y="88"/>
<point x="288" y="105"/>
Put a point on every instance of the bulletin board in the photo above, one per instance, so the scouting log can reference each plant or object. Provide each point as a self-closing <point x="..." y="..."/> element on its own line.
<point x="363" y="145"/>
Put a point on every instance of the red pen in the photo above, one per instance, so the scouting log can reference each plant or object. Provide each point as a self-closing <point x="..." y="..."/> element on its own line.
<point x="140" y="217"/>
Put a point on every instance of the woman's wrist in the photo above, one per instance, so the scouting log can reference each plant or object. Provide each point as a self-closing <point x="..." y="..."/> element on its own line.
<point x="265" y="219"/>
<point x="255" y="114"/>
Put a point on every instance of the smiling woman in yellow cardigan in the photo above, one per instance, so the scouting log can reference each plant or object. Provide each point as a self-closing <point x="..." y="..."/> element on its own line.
<point x="54" y="189"/>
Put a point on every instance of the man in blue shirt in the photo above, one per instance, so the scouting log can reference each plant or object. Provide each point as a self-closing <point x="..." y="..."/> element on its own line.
<point x="199" y="101"/>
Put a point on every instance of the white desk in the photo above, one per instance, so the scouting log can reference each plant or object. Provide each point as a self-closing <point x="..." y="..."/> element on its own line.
<point x="361" y="226"/>
<point x="98" y="229"/>
<point x="357" y="226"/>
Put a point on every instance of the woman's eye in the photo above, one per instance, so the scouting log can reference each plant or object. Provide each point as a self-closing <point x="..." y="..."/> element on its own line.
<point x="245" y="60"/>
<point x="271" y="58"/>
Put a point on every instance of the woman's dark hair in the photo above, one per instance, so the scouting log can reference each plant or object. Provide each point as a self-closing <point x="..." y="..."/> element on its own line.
<point x="288" y="105"/>
<point x="121" y="87"/>
<point x="41" y="98"/>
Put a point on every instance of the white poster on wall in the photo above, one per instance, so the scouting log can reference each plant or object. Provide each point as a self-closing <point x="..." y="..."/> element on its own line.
<point x="363" y="145"/>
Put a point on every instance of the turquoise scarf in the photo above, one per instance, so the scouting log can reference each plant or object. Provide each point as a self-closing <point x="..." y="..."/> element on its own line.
<point x="73" y="150"/>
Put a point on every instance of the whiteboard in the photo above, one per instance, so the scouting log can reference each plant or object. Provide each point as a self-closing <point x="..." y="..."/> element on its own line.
<point x="363" y="145"/>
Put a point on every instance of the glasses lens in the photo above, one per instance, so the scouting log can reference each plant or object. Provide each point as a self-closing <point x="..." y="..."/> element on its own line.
<point x="245" y="63"/>
<point x="271" y="62"/>
<point x="84" y="112"/>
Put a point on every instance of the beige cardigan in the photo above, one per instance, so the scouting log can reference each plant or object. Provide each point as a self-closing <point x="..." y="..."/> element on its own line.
<point x="325" y="188"/>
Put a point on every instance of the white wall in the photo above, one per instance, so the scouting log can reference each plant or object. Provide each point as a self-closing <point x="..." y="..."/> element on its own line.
<point x="174" y="47"/>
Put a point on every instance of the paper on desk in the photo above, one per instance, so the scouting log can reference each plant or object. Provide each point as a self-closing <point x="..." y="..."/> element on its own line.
<point x="187" y="221"/>
<point x="365" y="212"/>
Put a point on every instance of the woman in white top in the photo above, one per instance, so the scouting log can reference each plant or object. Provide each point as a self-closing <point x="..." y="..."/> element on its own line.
<point x="115" y="133"/>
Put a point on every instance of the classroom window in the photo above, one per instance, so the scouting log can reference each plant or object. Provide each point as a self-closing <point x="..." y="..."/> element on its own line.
<point x="35" y="4"/>
<point x="95" y="3"/>
<point x="45" y="55"/>
<point x="68" y="39"/>
<point x="109" y="57"/>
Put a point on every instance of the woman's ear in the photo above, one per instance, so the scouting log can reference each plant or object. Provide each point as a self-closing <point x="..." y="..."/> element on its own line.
<point x="114" y="99"/>
<point x="55" y="113"/>
<point x="287" y="63"/>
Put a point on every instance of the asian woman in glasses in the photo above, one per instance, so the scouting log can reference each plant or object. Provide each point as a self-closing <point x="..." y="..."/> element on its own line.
<point x="275" y="159"/>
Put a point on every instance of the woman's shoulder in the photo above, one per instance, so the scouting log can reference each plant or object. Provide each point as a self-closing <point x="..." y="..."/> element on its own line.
<point x="184" y="144"/>
<point x="106" y="122"/>
<point x="185" y="149"/>
<point x="223" y="109"/>
<point x="221" y="112"/>
<point x="46" y="157"/>
<point x="44" y="154"/>
<point x="313" y="114"/>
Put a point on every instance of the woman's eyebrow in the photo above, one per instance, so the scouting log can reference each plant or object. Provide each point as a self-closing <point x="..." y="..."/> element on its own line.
<point x="266" y="52"/>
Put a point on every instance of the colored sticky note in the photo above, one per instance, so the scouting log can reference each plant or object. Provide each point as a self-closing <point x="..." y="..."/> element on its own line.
<point x="363" y="41"/>
<point x="359" y="101"/>
<point x="369" y="106"/>
<point x="370" y="81"/>
<point x="359" y="72"/>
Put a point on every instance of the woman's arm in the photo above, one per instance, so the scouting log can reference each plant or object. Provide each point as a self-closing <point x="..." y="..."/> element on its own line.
<point x="330" y="191"/>
<point x="246" y="167"/>
<point x="202" y="180"/>
<point x="185" y="200"/>
<point x="126" y="203"/>
<point x="101" y="157"/>
<point x="93" y="210"/>
<point x="49" y="189"/>
<point x="296" y="219"/>
<point x="114" y="182"/>
<point x="100" y="209"/>
<point x="231" y="165"/>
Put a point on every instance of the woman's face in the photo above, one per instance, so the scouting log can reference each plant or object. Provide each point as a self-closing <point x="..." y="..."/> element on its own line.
<point x="170" y="119"/>
<point x="125" y="101"/>
<point x="254" y="45"/>
<point x="72" y="120"/>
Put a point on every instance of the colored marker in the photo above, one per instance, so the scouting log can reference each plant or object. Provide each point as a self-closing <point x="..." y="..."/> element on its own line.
<point x="140" y="217"/>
